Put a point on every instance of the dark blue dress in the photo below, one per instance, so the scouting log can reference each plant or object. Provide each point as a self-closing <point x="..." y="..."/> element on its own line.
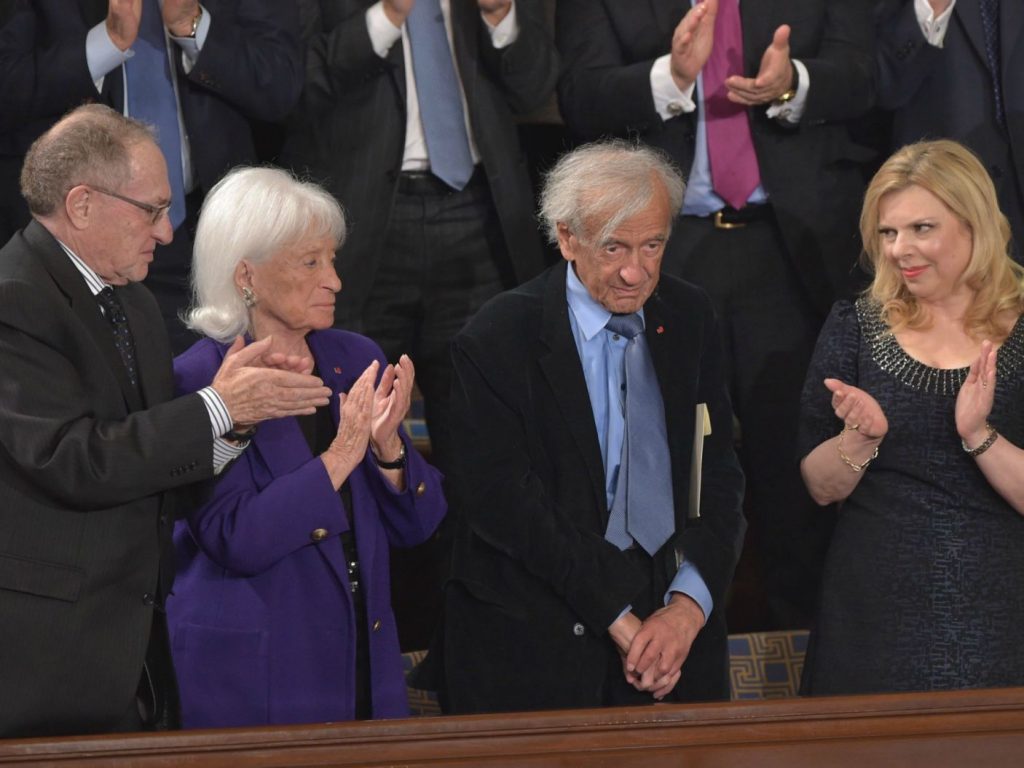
<point x="924" y="580"/>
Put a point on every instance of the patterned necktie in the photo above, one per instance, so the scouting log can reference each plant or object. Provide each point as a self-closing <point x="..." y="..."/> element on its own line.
<point x="642" y="508"/>
<point x="151" y="98"/>
<point x="115" y="315"/>
<point x="444" y="123"/>
<point x="990" y="25"/>
<point x="734" y="170"/>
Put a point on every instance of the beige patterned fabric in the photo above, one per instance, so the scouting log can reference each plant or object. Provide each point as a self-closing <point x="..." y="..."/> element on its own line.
<point x="766" y="665"/>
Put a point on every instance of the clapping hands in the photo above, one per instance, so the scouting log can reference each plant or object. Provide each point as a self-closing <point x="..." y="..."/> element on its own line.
<point x="974" y="401"/>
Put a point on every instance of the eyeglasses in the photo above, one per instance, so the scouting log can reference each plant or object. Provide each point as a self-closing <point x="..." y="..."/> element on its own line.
<point x="154" y="211"/>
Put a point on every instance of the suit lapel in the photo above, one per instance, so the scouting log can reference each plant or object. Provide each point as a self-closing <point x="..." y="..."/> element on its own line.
<point x="333" y="368"/>
<point x="94" y="11"/>
<point x="562" y="368"/>
<point x="83" y="304"/>
<point x="668" y="341"/>
<point x="464" y="42"/>
<point x="968" y="13"/>
<point x="1011" y="32"/>
<point x="283" y="449"/>
<point x="667" y="14"/>
<point x="757" y="32"/>
<point x="396" y="58"/>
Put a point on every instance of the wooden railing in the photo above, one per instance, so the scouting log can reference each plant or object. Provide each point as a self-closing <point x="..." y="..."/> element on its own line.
<point x="963" y="728"/>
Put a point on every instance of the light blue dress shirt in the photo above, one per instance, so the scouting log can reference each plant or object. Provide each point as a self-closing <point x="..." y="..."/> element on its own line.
<point x="102" y="57"/>
<point x="602" y="355"/>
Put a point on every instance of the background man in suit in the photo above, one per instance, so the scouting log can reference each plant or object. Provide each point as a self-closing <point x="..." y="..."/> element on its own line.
<point x="552" y="603"/>
<point x="753" y="107"/>
<point x="952" y="69"/>
<point x="199" y="73"/>
<point x="442" y="218"/>
<point x="95" y="452"/>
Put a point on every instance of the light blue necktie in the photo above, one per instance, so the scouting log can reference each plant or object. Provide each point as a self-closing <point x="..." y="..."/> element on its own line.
<point x="437" y="89"/>
<point x="151" y="98"/>
<point x="642" y="509"/>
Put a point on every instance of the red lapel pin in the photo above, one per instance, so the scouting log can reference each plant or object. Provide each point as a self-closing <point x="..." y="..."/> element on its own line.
<point x="660" y="329"/>
<point x="337" y="369"/>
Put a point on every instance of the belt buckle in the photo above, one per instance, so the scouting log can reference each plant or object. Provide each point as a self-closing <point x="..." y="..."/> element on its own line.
<point x="720" y="224"/>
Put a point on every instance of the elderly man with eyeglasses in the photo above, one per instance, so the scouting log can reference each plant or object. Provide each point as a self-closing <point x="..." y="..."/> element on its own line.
<point x="96" y="456"/>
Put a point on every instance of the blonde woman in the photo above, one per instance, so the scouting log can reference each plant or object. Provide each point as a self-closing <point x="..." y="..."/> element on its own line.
<point x="912" y="420"/>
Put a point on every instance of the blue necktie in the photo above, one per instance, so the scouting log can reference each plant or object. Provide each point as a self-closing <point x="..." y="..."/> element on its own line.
<point x="642" y="509"/>
<point x="990" y="24"/>
<point x="151" y="98"/>
<point x="114" y="312"/>
<point x="437" y="89"/>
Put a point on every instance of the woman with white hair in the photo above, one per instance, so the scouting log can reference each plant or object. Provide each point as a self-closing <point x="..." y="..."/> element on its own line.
<point x="281" y="610"/>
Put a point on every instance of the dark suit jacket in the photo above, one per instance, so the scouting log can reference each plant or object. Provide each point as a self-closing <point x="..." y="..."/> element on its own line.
<point x="810" y="171"/>
<point x="262" y="618"/>
<point x="534" y="583"/>
<point x="947" y="92"/>
<point x="86" y="470"/>
<point x="349" y="131"/>
<point x="250" y="67"/>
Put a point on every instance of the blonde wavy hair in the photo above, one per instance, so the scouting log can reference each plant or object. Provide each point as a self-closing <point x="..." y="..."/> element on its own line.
<point x="955" y="176"/>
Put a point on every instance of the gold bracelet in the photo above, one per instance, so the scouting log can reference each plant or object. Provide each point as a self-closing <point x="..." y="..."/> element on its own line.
<point x="846" y="459"/>
<point x="975" y="452"/>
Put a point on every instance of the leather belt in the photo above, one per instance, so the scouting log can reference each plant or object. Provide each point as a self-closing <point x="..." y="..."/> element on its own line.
<point x="424" y="183"/>
<point x="731" y="218"/>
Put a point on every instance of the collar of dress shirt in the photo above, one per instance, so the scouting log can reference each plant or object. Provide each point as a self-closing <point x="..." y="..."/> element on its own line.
<point x="590" y="315"/>
<point x="94" y="281"/>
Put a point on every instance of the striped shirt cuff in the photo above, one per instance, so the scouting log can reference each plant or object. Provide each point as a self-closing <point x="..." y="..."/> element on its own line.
<point x="220" y="422"/>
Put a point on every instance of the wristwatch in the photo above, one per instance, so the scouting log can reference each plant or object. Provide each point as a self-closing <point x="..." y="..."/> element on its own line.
<point x="791" y="93"/>
<point x="398" y="463"/>
<point x="195" y="22"/>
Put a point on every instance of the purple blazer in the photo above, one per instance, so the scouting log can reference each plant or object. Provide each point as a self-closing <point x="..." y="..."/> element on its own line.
<point x="261" y="618"/>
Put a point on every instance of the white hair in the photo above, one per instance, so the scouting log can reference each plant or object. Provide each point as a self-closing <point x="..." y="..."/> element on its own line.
<point x="252" y="213"/>
<point x="610" y="180"/>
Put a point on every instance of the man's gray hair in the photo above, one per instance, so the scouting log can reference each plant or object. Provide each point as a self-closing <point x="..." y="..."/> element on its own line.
<point x="89" y="145"/>
<point x="610" y="181"/>
<point x="252" y="213"/>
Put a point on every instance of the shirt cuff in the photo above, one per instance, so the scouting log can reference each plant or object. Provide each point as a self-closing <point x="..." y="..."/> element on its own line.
<point x="933" y="28"/>
<point x="793" y="110"/>
<point x="191" y="46"/>
<point x="220" y="419"/>
<point x="101" y="55"/>
<point x="507" y="30"/>
<point x="383" y="34"/>
<point x="669" y="101"/>
<point x="220" y="422"/>
<point x="224" y="453"/>
<point x="688" y="581"/>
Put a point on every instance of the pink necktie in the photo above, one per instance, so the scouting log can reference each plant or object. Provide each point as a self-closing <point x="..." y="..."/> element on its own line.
<point x="734" y="172"/>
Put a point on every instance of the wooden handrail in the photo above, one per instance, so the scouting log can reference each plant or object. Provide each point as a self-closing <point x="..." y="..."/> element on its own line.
<point x="983" y="727"/>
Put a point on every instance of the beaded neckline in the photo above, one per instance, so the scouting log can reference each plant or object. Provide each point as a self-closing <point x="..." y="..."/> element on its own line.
<point x="893" y="360"/>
